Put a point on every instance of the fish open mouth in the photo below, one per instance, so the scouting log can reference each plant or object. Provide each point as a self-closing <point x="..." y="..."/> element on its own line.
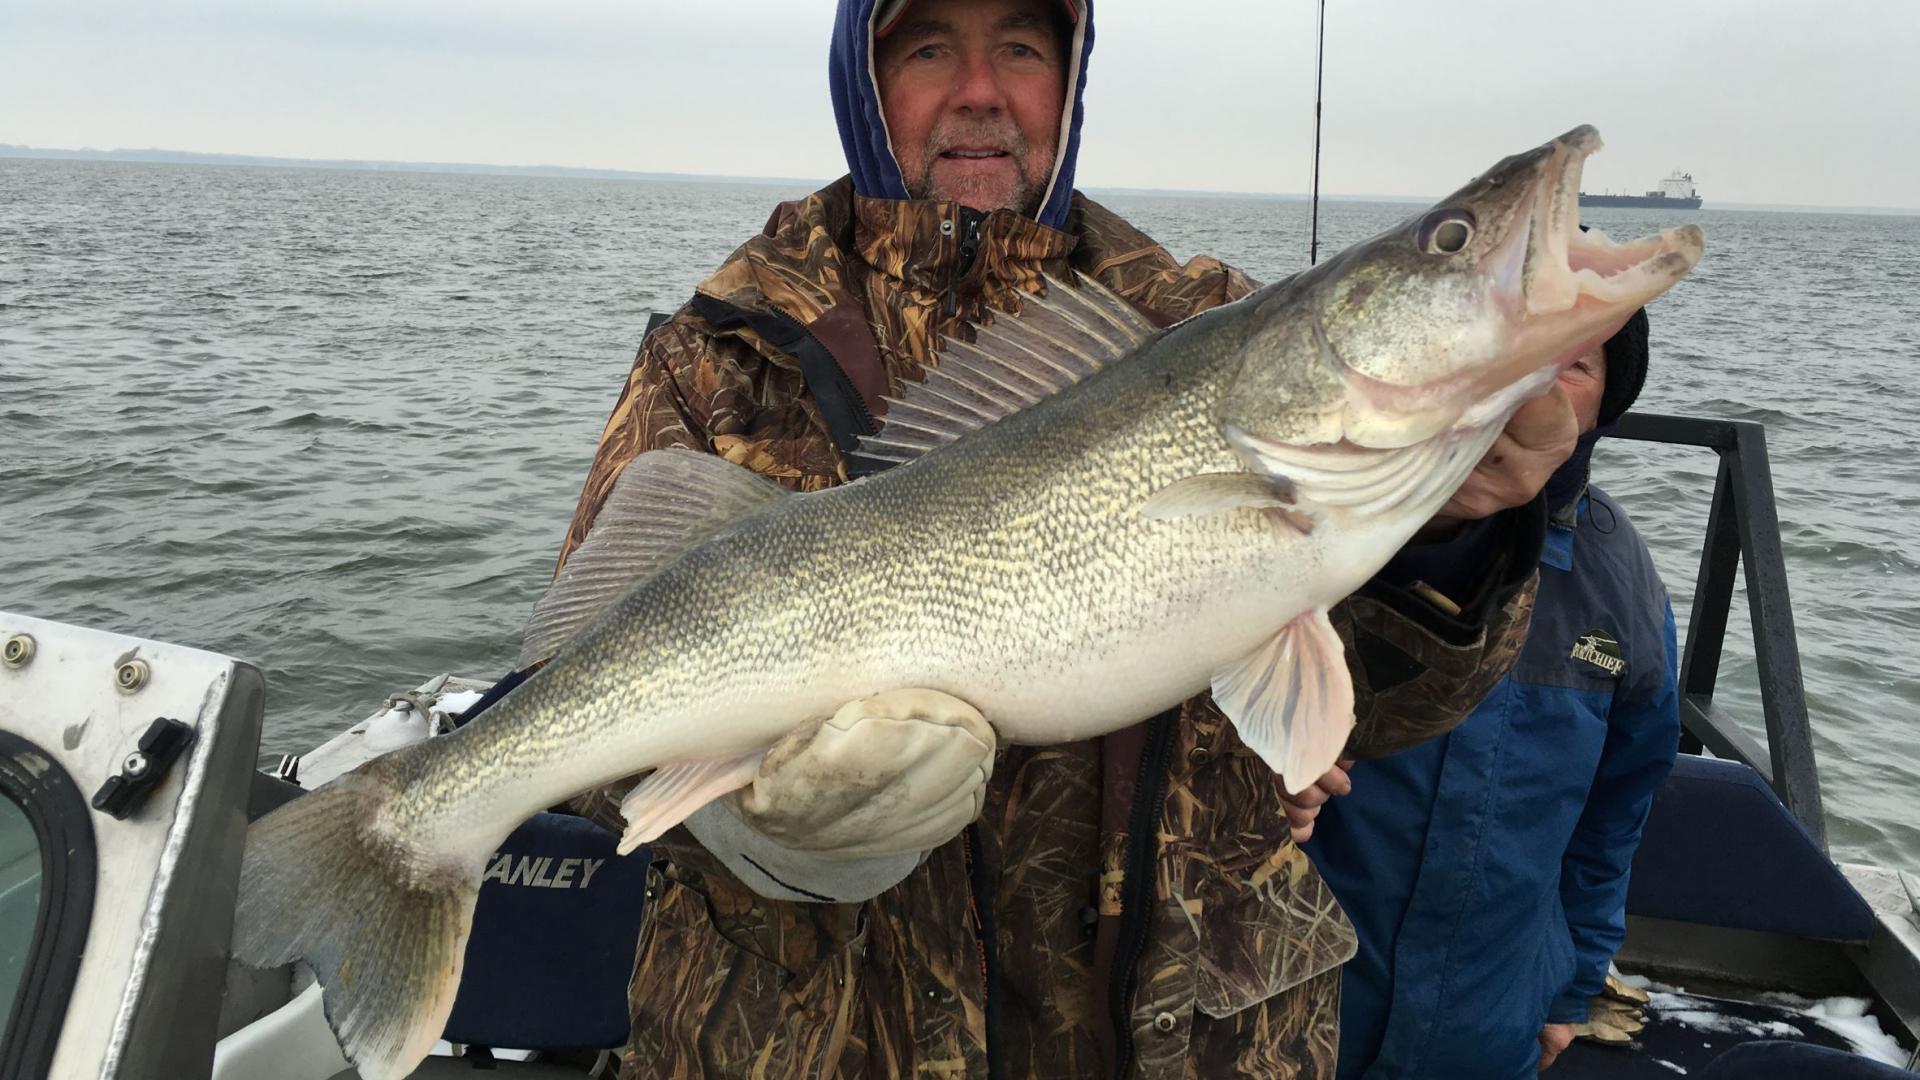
<point x="1557" y="294"/>
<point x="1567" y="291"/>
<point x="1566" y="268"/>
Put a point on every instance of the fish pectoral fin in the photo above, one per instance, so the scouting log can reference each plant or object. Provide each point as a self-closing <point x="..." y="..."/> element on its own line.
<point x="1366" y="480"/>
<point x="1291" y="699"/>
<point x="671" y="793"/>
<point x="1214" y="493"/>
<point x="665" y="503"/>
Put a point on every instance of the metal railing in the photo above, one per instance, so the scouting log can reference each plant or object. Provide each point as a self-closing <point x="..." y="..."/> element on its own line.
<point x="1743" y="530"/>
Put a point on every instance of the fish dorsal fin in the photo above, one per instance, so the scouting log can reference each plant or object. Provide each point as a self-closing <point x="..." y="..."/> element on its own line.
<point x="1017" y="360"/>
<point x="665" y="503"/>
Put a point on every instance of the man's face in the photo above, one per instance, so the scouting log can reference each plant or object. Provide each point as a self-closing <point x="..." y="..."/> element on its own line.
<point x="1584" y="383"/>
<point x="972" y="91"/>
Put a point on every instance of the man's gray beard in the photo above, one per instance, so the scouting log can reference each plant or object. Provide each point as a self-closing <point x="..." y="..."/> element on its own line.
<point x="1026" y="194"/>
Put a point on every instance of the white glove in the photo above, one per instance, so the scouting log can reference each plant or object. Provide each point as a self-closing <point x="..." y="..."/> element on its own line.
<point x="844" y="809"/>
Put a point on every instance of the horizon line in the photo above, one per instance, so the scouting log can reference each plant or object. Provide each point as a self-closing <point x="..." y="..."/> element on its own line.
<point x="161" y="156"/>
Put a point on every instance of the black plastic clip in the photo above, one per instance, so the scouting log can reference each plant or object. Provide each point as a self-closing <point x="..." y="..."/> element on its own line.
<point x="144" y="769"/>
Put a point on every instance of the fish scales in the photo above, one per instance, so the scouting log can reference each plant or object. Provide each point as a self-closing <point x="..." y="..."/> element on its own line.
<point x="999" y="566"/>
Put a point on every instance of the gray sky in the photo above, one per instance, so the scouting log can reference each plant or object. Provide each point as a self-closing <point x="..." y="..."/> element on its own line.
<point x="1772" y="101"/>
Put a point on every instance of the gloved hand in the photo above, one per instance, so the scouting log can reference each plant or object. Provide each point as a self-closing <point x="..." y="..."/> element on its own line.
<point x="1614" y="1015"/>
<point x="903" y="771"/>
<point x="843" y="810"/>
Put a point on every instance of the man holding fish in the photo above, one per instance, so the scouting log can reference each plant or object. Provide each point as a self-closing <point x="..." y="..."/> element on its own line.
<point x="955" y="799"/>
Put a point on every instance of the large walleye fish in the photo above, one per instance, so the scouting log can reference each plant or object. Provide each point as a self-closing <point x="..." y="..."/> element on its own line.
<point x="1092" y="521"/>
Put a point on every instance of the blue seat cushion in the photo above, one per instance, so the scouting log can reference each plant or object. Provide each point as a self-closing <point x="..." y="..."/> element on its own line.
<point x="1721" y="849"/>
<point x="554" y="929"/>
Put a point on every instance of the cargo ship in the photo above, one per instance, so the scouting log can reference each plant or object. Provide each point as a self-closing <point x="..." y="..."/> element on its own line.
<point x="1676" y="192"/>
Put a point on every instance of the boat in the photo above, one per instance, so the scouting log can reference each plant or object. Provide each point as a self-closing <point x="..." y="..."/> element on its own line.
<point x="129" y="769"/>
<point x="1676" y="192"/>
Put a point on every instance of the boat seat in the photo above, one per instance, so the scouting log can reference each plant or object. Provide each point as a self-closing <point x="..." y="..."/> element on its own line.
<point x="1721" y="849"/>
<point x="1781" y="1060"/>
<point x="554" y="930"/>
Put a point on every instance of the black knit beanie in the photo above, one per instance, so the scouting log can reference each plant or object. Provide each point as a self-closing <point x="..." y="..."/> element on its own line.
<point x="1626" y="354"/>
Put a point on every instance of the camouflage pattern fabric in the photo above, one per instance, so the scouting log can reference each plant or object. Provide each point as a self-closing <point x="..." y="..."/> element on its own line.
<point x="1240" y="976"/>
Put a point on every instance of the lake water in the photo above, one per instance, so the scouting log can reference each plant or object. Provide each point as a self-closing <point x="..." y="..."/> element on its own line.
<point x="334" y="423"/>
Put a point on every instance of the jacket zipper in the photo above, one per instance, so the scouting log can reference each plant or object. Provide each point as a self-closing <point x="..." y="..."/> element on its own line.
<point x="865" y="415"/>
<point x="980" y="917"/>
<point x="970" y="222"/>
<point x="1136" y="911"/>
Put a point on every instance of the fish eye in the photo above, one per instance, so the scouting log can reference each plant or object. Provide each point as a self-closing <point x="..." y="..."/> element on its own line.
<point x="1446" y="232"/>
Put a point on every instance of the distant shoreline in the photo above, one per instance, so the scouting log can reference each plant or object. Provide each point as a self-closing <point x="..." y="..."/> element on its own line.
<point x="189" y="157"/>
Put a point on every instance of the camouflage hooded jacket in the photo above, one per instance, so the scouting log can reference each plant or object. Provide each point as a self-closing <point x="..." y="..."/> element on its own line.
<point x="1130" y="905"/>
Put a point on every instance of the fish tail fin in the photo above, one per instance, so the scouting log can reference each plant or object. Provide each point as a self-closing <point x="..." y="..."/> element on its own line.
<point x="384" y="926"/>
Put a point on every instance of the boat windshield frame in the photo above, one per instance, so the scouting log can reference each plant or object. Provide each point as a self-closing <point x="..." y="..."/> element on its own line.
<point x="35" y="781"/>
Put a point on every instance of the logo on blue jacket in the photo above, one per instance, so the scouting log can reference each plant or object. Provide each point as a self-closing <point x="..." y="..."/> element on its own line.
<point x="1597" y="647"/>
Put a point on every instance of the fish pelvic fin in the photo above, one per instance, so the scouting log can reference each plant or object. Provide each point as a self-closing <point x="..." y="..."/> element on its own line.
<point x="1291" y="699"/>
<point x="671" y="793"/>
<point x="384" y="931"/>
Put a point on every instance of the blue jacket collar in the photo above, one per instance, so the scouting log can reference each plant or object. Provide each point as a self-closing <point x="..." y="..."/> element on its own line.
<point x="1557" y="549"/>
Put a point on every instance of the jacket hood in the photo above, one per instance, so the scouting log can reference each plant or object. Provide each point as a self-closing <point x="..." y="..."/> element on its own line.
<point x="863" y="130"/>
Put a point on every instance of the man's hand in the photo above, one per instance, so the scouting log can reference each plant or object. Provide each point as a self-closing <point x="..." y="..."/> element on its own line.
<point x="1553" y="1039"/>
<point x="897" y="773"/>
<point x="1537" y="440"/>
<point x="1304" y="807"/>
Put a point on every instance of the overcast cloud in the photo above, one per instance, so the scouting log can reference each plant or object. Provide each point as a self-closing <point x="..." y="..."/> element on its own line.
<point x="1768" y="101"/>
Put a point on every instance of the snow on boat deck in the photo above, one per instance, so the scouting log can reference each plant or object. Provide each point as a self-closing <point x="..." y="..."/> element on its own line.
<point x="1685" y="1031"/>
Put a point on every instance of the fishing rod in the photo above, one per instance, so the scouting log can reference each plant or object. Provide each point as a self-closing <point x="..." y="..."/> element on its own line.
<point x="1319" y="69"/>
